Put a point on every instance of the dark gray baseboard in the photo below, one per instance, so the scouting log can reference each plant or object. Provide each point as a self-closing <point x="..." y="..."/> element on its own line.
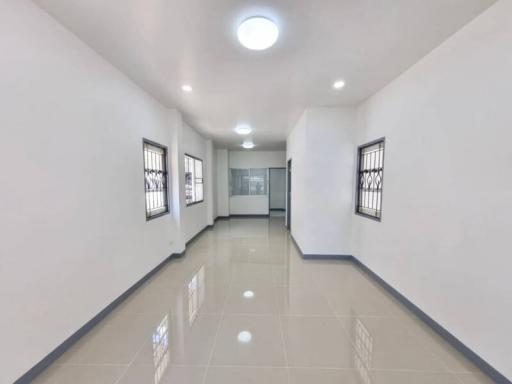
<point x="327" y="257"/>
<point x="208" y="227"/>
<point x="309" y="256"/>
<point x="484" y="366"/>
<point x="29" y="376"/>
<point x="244" y="216"/>
<point x="248" y="216"/>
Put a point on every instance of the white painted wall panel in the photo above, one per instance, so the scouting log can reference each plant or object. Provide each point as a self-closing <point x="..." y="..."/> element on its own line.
<point x="222" y="182"/>
<point x="196" y="216"/>
<point x="323" y="156"/>
<point x="73" y="230"/>
<point x="444" y="237"/>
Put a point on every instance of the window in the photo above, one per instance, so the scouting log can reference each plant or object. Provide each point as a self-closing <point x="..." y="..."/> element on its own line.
<point x="370" y="178"/>
<point x="155" y="179"/>
<point x="193" y="180"/>
<point x="245" y="182"/>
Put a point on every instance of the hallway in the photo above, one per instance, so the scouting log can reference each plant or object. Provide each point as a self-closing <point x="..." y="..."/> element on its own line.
<point x="242" y="306"/>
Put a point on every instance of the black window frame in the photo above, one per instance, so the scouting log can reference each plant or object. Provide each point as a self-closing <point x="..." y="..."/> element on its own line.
<point x="194" y="183"/>
<point x="378" y="168"/>
<point x="165" y="173"/>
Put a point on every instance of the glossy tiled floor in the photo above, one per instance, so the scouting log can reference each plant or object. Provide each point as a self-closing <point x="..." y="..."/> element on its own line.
<point x="243" y="307"/>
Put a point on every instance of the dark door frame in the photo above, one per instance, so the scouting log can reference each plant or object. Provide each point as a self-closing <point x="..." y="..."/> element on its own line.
<point x="269" y="169"/>
<point x="289" y="194"/>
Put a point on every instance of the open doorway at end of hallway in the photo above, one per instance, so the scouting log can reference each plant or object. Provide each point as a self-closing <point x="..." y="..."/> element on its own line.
<point x="277" y="191"/>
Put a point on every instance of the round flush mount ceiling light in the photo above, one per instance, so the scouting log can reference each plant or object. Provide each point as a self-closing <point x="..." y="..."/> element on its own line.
<point x="186" y="88"/>
<point x="248" y="294"/>
<point x="248" y="145"/>
<point x="244" y="337"/>
<point x="243" y="129"/>
<point x="257" y="33"/>
<point x="338" y="84"/>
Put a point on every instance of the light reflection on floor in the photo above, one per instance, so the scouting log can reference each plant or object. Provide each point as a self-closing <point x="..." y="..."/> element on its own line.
<point x="242" y="306"/>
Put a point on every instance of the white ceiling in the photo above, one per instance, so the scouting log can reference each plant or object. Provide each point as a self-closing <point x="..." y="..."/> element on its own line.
<point x="162" y="44"/>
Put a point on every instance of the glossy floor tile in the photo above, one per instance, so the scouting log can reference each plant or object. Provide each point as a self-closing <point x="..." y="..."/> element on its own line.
<point x="245" y="340"/>
<point x="243" y="307"/>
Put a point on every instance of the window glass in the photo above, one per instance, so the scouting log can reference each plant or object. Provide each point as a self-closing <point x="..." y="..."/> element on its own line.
<point x="370" y="179"/>
<point x="155" y="179"/>
<point x="249" y="182"/>
<point x="193" y="180"/>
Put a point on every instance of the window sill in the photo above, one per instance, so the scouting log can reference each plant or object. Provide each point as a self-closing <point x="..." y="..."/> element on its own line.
<point x="195" y="202"/>
<point x="157" y="215"/>
<point x="374" y="218"/>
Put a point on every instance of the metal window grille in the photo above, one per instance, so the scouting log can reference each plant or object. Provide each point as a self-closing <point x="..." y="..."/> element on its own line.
<point x="155" y="179"/>
<point x="194" y="191"/>
<point x="370" y="179"/>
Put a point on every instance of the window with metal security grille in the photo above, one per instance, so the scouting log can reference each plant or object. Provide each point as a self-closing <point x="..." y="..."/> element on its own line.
<point x="370" y="179"/>
<point x="245" y="182"/>
<point x="193" y="180"/>
<point x="155" y="179"/>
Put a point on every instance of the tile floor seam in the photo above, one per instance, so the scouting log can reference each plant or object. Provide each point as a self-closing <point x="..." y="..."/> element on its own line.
<point x="131" y="362"/>
<point x="431" y="351"/>
<point x="338" y="317"/>
<point x="217" y="331"/>
<point x="445" y="371"/>
<point x="322" y="368"/>
<point x="285" y="352"/>
<point x="89" y="365"/>
<point x="399" y="345"/>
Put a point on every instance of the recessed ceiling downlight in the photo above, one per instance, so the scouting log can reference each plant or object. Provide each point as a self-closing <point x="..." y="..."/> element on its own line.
<point x="243" y="129"/>
<point x="248" y="145"/>
<point x="258" y="33"/>
<point x="338" y="84"/>
<point x="186" y="88"/>
<point x="244" y="337"/>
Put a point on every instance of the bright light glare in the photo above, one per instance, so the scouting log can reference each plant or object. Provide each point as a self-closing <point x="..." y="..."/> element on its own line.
<point x="248" y="145"/>
<point x="186" y="88"/>
<point x="245" y="337"/>
<point x="243" y="129"/>
<point x="248" y="294"/>
<point x="258" y="33"/>
<point x="338" y="84"/>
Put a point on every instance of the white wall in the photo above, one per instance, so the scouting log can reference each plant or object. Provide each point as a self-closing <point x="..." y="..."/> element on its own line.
<point x="73" y="229"/>
<point x="253" y="205"/>
<point x="211" y="186"/>
<point x="221" y="174"/>
<point x="277" y="188"/>
<point x="322" y="151"/>
<point x="296" y="152"/>
<point x="257" y="159"/>
<point x="196" y="216"/>
<point x="444" y="239"/>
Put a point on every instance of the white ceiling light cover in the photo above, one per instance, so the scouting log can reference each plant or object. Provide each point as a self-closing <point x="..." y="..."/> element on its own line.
<point x="338" y="84"/>
<point x="258" y="33"/>
<point x="243" y="129"/>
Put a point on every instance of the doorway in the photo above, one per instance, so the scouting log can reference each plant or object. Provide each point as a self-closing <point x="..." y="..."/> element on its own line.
<point x="277" y="191"/>
<point x="289" y="196"/>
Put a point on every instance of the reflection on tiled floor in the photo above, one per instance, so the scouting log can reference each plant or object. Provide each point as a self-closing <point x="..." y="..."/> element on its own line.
<point x="243" y="307"/>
